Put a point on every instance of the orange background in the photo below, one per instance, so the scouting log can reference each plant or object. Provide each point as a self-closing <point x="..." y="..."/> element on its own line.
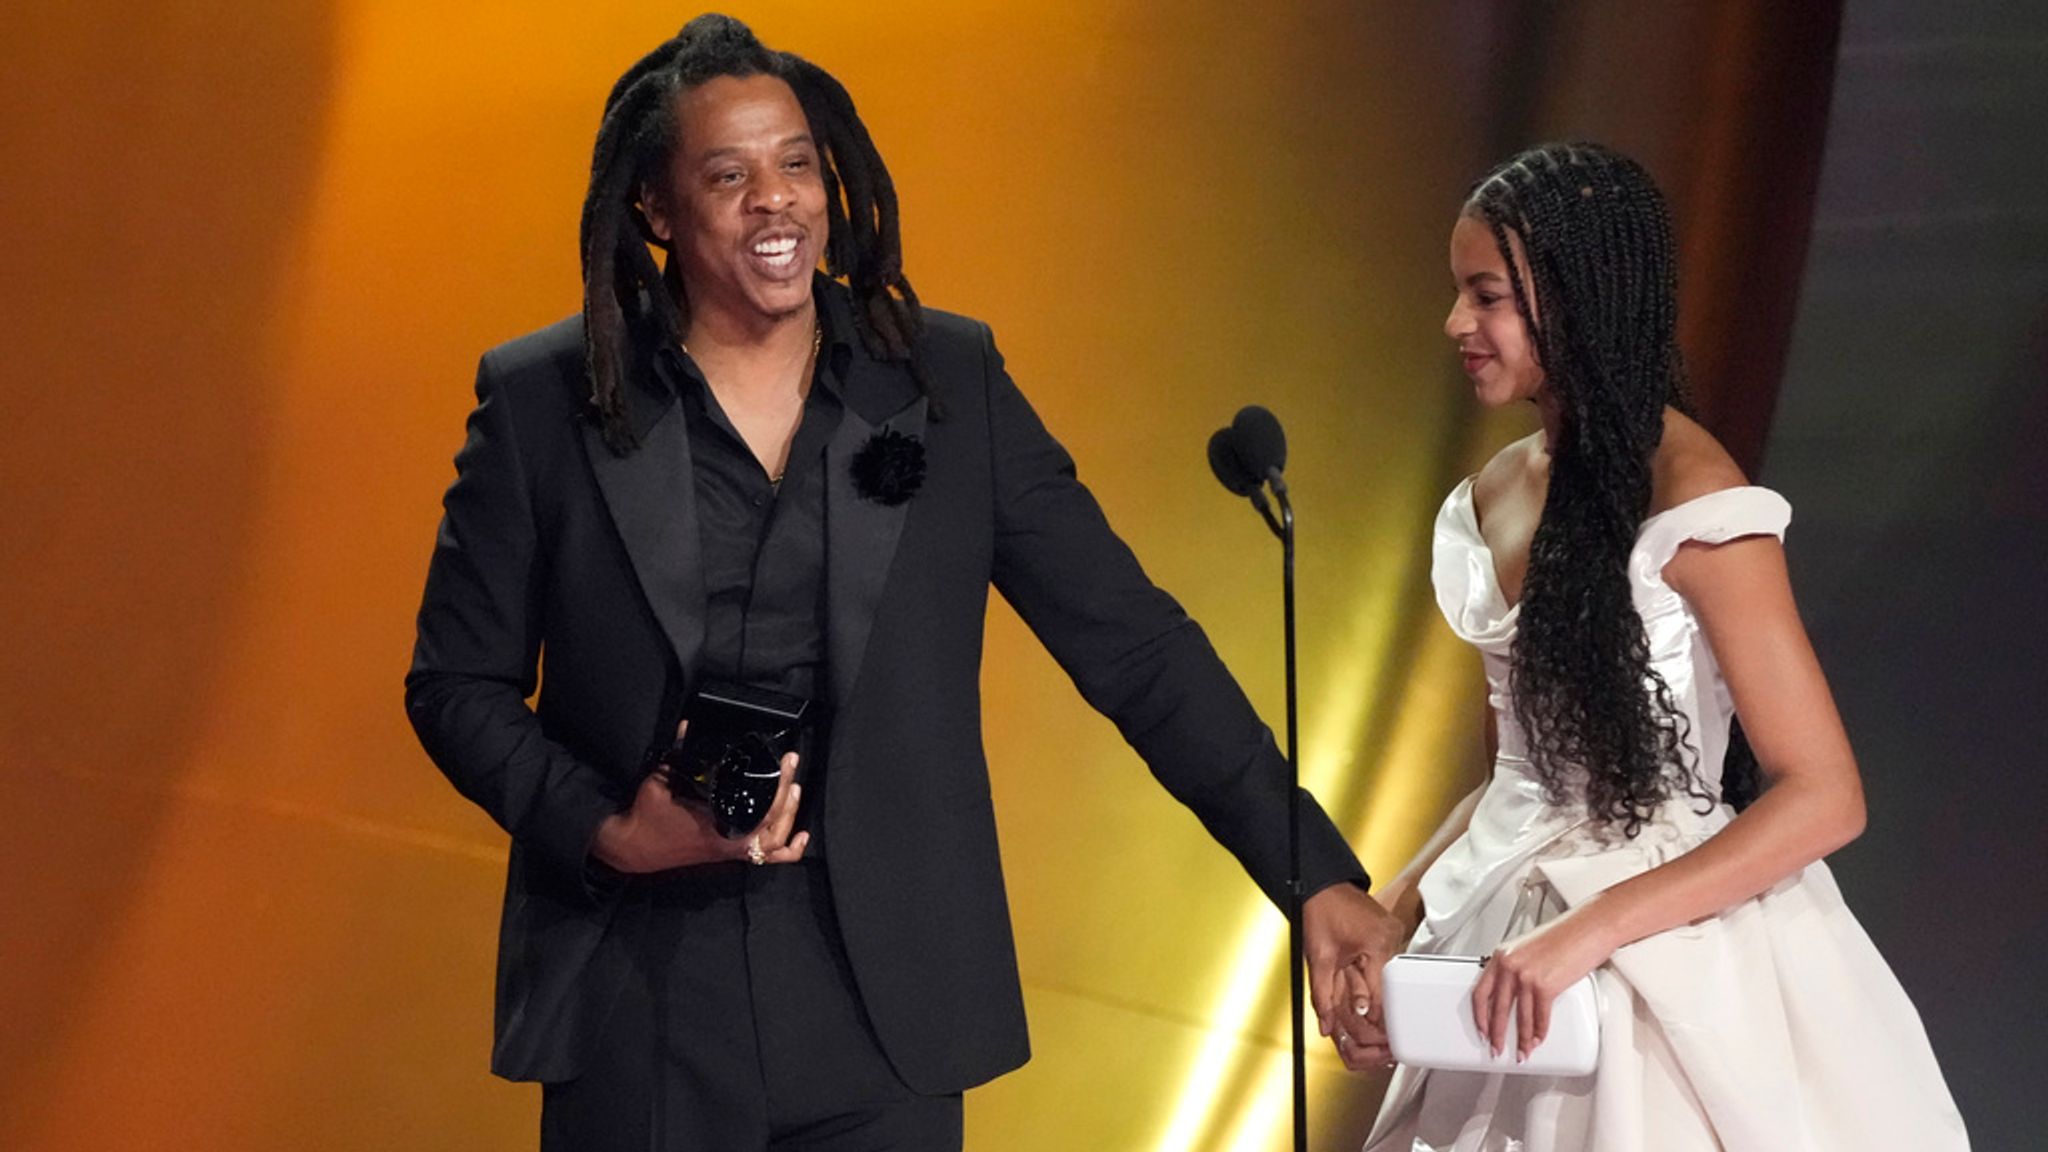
<point x="251" y="254"/>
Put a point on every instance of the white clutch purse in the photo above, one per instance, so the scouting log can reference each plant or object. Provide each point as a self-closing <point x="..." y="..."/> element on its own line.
<point x="1428" y="1001"/>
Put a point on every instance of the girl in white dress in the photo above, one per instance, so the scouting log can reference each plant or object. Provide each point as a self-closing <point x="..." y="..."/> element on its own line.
<point x="1627" y="591"/>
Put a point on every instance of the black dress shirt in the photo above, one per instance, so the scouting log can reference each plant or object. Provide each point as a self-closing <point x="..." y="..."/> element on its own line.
<point x="763" y="549"/>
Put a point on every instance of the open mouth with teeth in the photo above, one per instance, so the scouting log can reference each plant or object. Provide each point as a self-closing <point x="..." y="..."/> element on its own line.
<point x="777" y="253"/>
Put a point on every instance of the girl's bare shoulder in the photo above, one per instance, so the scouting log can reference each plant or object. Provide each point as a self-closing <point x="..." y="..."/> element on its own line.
<point x="1690" y="464"/>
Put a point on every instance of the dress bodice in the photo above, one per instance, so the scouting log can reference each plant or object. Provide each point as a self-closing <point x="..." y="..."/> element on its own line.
<point x="1514" y="820"/>
<point x="1767" y="1026"/>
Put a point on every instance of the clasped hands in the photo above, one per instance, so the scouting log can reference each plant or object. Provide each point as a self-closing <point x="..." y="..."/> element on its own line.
<point x="657" y="833"/>
<point x="1349" y="938"/>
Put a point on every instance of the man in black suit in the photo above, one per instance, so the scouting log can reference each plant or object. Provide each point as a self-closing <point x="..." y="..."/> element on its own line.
<point x="735" y="469"/>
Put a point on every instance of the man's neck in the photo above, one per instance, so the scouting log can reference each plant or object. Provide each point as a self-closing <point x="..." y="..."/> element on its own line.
<point x="752" y="355"/>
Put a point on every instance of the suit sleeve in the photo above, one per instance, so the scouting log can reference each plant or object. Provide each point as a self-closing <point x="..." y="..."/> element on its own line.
<point x="475" y="658"/>
<point x="1137" y="657"/>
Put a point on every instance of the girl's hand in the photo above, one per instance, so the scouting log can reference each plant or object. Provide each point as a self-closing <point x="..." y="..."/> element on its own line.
<point x="1527" y="974"/>
<point x="1360" y="1029"/>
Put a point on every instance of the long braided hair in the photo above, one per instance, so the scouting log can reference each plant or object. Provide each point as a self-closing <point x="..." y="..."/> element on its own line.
<point x="1603" y="281"/>
<point x="624" y="290"/>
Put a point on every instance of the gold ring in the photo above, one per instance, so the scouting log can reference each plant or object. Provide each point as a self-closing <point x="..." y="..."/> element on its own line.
<point x="754" y="854"/>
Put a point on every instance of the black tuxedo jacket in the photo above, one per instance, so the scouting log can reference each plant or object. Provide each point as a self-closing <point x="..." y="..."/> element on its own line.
<point x="554" y="551"/>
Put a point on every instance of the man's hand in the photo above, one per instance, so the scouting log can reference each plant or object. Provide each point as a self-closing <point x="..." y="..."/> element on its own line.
<point x="658" y="833"/>
<point x="1348" y="937"/>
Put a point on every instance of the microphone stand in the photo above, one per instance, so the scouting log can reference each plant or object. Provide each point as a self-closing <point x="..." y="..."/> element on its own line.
<point x="1295" y="963"/>
<point x="1236" y="453"/>
<point x="1283" y="530"/>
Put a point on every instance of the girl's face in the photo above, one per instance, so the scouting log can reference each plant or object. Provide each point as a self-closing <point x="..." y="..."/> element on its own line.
<point x="1498" y="353"/>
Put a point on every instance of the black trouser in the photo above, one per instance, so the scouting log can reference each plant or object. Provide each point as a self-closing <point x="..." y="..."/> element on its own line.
<point x="740" y="1029"/>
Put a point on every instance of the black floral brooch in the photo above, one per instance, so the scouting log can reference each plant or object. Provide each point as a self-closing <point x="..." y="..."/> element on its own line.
<point x="889" y="468"/>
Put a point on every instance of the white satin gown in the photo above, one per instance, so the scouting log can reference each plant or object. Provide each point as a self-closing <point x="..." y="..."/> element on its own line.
<point x="1773" y="1026"/>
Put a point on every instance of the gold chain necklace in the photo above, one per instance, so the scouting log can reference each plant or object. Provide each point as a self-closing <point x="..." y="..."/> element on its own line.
<point x="817" y="342"/>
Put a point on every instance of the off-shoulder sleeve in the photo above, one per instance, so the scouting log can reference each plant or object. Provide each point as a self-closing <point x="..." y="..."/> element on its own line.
<point x="1715" y="518"/>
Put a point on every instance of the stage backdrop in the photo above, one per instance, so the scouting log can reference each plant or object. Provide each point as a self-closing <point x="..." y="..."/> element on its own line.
<point x="252" y="251"/>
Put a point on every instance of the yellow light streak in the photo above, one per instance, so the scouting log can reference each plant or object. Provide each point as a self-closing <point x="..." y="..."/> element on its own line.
<point x="1267" y="1117"/>
<point x="1261" y="946"/>
<point x="1414" y="781"/>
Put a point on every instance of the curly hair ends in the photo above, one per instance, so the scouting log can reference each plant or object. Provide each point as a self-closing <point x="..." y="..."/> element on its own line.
<point x="1601" y="261"/>
<point x="623" y="288"/>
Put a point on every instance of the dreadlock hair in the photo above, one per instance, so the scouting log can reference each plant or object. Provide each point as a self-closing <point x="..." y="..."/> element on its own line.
<point x="1601" y="260"/>
<point x="623" y="289"/>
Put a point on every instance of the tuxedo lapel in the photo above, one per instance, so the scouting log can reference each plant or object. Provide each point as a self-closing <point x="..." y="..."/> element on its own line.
<point x="652" y="495"/>
<point x="860" y="533"/>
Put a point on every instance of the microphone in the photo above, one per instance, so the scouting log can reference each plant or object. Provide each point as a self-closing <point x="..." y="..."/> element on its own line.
<point x="1229" y="467"/>
<point x="1248" y="455"/>
<point x="1260" y="445"/>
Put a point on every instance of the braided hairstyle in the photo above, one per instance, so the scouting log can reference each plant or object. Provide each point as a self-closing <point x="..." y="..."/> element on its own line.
<point x="624" y="290"/>
<point x="1601" y="262"/>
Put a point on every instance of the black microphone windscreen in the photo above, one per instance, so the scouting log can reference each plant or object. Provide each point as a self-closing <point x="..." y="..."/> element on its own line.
<point x="1228" y="466"/>
<point x="1260" y="443"/>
